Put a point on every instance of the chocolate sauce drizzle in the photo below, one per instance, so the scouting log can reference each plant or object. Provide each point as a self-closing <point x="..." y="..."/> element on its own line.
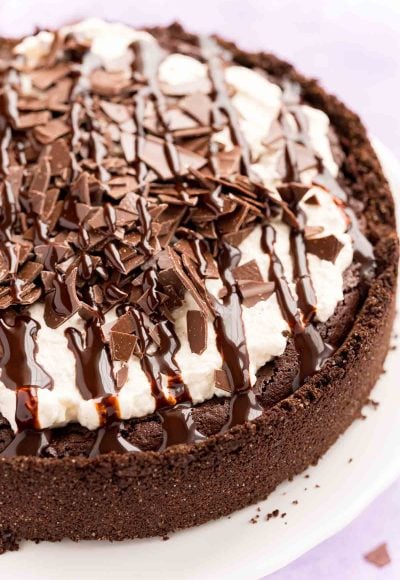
<point x="362" y="248"/>
<point x="310" y="347"/>
<point x="95" y="379"/>
<point x="71" y="286"/>
<point x="29" y="439"/>
<point x="19" y="367"/>
<point x="21" y="372"/>
<point x="222" y="103"/>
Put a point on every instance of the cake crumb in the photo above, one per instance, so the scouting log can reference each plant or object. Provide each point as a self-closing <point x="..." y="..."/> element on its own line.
<point x="317" y="485"/>
<point x="273" y="514"/>
<point x="350" y="460"/>
<point x="283" y="515"/>
<point x="379" y="557"/>
<point x="254" y="519"/>
<point x="372" y="403"/>
<point x="165" y="538"/>
<point x="295" y="502"/>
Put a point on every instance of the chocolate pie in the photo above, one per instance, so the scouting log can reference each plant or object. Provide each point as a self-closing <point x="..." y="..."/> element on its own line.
<point x="198" y="263"/>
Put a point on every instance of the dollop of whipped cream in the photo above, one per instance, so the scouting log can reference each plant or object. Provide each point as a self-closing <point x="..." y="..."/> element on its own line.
<point x="258" y="103"/>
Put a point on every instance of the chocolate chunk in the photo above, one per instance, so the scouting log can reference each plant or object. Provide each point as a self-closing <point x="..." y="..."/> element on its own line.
<point x="198" y="105"/>
<point x="379" y="557"/>
<point x="122" y="345"/>
<point x="44" y="78"/>
<point x="312" y="200"/>
<point x="236" y="238"/>
<point x="228" y="162"/>
<point x="197" y="331"/>
<point x="221" y="380"/>
<point x="59" y="157"/>
<point x="120" y="186"/>
<point x="327" y="248"/>
<point x="108" y="84"/>
<point x="122" y="376"/>
<point x="116" y="112"/>
<point x="184" y="279"/>
<point x="252" y="292"/>
<point x="33" y="119"/>
<point x="248" y="271"/>
<point x="62" y="301"/>
<point x="292" y="193"/>
<point x="41" y="176"/>
<point x="124" y="324"/>
<point x="30" y="271"/>
<point x="59" y="94"/>
<point x="51" y="131"/>
<point x="152" y="151"/>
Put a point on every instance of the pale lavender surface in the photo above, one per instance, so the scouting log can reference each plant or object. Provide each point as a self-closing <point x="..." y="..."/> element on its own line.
<point x="353" y="46"/>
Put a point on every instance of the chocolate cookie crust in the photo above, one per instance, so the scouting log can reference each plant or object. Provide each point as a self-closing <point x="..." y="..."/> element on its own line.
<point x="151" y="493"/>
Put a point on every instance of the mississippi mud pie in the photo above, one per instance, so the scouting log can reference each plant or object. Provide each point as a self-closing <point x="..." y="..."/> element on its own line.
<point x="198" y="264"/>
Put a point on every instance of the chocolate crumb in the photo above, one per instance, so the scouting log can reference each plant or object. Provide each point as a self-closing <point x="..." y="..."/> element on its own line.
<point x="379" y="557"/>
<point x="273" y="514"/>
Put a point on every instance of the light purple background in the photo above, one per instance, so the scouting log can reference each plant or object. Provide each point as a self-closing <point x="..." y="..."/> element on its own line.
<point x="353" y="46"/>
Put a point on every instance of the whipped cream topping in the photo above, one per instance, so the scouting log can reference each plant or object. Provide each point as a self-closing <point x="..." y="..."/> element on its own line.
<point x="258" y="104"/>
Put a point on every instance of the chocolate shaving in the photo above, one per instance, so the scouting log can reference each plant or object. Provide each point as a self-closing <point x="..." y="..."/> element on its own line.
<point x="252" y="292"/>
<point x="44" y="78"/>
<point x="221" y="380"/>
<point x="62" y="301"/>
<point x="122" y="345"/>
<point x="59" y="157"/>
<point x="199" y="106"/>
<point x="197" y="331"/>
<point x="51" y="131"/>
<point x="248" y="271"/>
<point x="327" y="248"/>
<point x="33" y="119"/>
<point x="184" y="278"/>
<point x="116" y="112"/>
<point x="152" y="152"/>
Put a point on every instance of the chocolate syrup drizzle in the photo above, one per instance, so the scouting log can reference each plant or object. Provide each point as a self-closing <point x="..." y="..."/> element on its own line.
<point x="157" y="342"/>
<point x="21" y="372"/>
<point x="310" y="347"/>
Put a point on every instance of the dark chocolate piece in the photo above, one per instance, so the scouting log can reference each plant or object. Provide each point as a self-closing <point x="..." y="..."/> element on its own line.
<point x="326" y="248"/>
<point x="379" y="557"/>
<point x="197" y="331"/>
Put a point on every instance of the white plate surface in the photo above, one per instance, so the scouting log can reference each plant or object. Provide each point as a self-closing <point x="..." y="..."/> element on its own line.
<point x="330" y="495"/>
